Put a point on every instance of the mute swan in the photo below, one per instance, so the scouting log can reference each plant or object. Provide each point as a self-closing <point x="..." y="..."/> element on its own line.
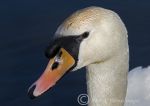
<point x="96" y="38"/>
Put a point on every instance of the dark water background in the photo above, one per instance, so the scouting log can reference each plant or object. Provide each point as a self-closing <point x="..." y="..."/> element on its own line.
<point x="26" y="27"/>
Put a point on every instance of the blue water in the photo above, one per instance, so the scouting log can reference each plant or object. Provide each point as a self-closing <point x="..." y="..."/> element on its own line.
<point x="26" y="27"/>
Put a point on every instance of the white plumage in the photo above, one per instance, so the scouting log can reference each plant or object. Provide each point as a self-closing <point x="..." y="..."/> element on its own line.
<point x="105" y="54"/>
<point x="138" y="90"/>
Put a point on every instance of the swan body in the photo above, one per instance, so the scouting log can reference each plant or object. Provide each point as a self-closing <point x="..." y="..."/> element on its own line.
<point x="97" y="40"/>
<point x="138" y="90"/>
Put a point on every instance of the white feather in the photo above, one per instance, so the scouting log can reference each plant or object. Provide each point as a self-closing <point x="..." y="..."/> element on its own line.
<point x="105" y="53"/>
<point x="138" y="91"/>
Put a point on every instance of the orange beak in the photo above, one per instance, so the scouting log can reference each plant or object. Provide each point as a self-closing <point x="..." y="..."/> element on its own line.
<point x="55" y="69"/>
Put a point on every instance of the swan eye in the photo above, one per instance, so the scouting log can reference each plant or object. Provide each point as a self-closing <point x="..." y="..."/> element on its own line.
<point x="85" y="34"/>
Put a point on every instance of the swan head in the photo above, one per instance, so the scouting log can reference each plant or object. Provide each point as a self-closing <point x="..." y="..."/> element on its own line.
<point x="88" y="36"/>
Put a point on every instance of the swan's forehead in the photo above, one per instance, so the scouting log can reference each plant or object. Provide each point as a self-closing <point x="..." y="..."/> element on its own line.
<point x="81" y="21"/>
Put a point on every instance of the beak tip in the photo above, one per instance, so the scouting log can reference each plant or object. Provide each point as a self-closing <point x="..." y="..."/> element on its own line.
<point x="30" y="92"/>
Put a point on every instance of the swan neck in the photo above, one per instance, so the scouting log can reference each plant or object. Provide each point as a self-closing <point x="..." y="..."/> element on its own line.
<point x="107" y="82"/>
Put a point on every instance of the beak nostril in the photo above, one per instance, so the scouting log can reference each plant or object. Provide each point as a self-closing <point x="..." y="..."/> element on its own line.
<point x="57" y="60"/>
<point x="31" y="90"/>
<point x="55" y="65"/>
